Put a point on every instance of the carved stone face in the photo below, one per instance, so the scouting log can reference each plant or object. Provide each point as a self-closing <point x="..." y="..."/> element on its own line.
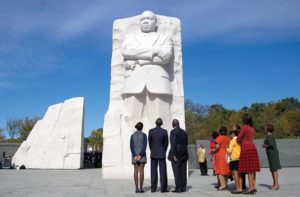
<point x="148" y="22"/>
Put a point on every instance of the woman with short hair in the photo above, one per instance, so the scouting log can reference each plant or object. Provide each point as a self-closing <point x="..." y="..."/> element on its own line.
<point x="273" y="155"/>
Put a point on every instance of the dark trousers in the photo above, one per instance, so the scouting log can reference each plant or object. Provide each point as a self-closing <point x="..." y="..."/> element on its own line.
<point x="180" y="174"/>
<point x="203" y="167"/>
<point x="162" y="174"/>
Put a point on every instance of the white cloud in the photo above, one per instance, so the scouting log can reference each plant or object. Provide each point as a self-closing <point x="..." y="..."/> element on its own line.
<point x="243" y="20"/>
<point x="200" y="19"/>
<point x="33" y="32"/>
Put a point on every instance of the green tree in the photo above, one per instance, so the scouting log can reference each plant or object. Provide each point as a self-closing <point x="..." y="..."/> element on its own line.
<point x="195" y="115"/>
<point x="96" y="138"/>
<point x="13" y="127"/>
<point x="26" y="127"/>
<point x="289" y="124"/>
<point x="283" y="114"/>
<point x="18" y="129"/>
<point x="217" y="117"/>
<point x="86" y="140"/>
<point x="2" y="137"/>
<point x="287" y="104"/>
<point x="234" y="118"/>
<point x="194" y="126"/>
<point x="200" y="110"/>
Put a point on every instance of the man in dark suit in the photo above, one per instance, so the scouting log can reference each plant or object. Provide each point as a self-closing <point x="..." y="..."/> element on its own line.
<point x="178" y="156"/>
<point x="158" y="143"/>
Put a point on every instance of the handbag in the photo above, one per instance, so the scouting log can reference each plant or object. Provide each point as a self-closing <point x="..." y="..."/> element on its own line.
<point x="227" y="158"/>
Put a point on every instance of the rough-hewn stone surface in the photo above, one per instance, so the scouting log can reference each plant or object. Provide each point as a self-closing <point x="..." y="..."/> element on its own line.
<point x="56" y="141"/>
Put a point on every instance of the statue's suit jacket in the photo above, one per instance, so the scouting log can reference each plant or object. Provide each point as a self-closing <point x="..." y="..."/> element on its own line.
<point x="150" y="72"/>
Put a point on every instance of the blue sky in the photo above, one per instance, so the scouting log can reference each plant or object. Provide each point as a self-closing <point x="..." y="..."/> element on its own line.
<point x="234" y="52"/>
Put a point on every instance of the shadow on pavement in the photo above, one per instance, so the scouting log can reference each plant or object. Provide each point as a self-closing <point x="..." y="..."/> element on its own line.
<point x="191" y="172"/>
<point x="266" y="186"/>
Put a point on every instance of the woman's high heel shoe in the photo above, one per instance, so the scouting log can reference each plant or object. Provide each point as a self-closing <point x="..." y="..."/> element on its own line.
<point x="222" y="188"/>
<point x="275" y="188"/>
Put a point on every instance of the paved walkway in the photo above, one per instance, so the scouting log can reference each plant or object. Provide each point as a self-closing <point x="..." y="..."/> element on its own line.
<point x="88" y="182"/>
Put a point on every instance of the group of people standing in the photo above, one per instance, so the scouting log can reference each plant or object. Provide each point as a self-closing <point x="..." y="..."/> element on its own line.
<point x="158" y="142"/>
<point x="236" y="155"/>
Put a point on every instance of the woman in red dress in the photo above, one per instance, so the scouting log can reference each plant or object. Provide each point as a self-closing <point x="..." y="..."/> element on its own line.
<point x="221" y="165"/>
<point x="249" y="161"/>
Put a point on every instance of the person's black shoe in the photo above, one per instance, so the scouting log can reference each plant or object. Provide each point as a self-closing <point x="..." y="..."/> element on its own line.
<point x="153" y="189"/>
<point x="176" y="191"/>
<point x="183" y="189"/>
<point x="164" y="191"/>
<point x="137" y="191"/>
<point x="142" y="191"/>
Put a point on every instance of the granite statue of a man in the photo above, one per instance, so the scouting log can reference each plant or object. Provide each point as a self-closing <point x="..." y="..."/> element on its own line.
<point x="147" y="90"/>
<point x="146" y="84"/>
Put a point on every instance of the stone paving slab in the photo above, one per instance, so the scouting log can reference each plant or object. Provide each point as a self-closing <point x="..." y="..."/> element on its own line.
<point x="89" y="183"/>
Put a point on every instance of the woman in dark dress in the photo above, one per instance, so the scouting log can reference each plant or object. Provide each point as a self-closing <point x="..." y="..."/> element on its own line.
<point x="272" y="153"/>
<point x="138" y="145"/>
<point x="249" y="161"/>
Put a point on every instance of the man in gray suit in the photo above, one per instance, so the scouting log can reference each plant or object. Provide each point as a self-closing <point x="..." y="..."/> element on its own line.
<point x="147" y="55"/>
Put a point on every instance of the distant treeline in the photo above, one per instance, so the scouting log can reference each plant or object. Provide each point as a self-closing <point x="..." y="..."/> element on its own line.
<point x="201" y="120"/>
<point x="17" y="130"/>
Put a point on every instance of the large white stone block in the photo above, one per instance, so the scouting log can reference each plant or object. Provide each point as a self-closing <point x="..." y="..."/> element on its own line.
<point x="146" y="83"/>
<point x="56" y="141"/>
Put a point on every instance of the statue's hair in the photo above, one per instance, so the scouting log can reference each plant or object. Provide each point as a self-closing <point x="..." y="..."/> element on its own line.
<point x="150" y="12"/>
